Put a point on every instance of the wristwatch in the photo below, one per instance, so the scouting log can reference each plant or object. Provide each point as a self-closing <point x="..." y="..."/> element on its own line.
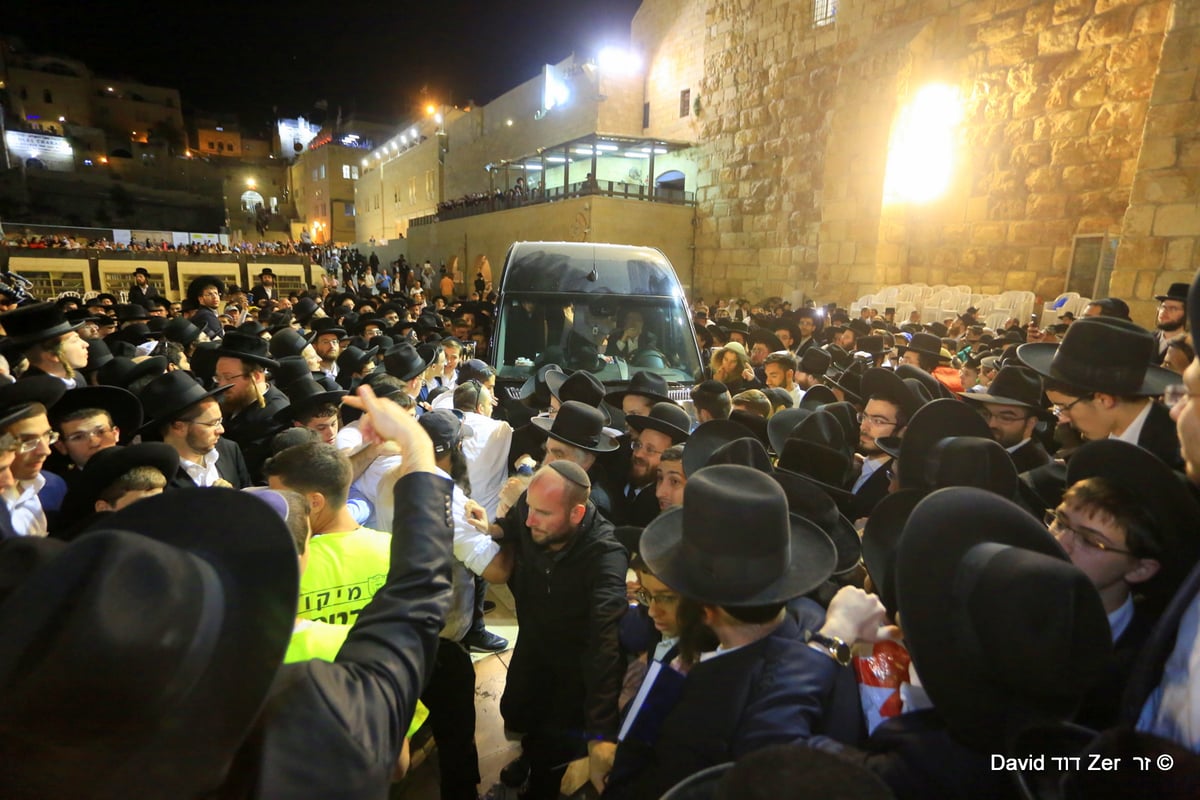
<point x="837" y="649"/>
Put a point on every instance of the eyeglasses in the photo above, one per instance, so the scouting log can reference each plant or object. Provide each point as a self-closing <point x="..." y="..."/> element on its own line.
<point x="99" y="432"/>
<point x="210" y="293"/>
<point x="1057" y="522"/>
<point x="29" y="442"/>
<point x="216" y="423"/>
<point x="876" y="421"/>
<point x="222" y="380"/>
<point x="647" y="449"/>
<point x="665" y="599"/>
<point x="1059" y="410"/>
<point x="1175" y="394"/>
<point x="1004" y="417"/>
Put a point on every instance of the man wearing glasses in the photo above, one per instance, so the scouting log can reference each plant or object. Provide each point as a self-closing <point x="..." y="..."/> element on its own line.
<point x="26" y="435"/>
<point x="181" y="413"/>
<point x="1011" y="406"/>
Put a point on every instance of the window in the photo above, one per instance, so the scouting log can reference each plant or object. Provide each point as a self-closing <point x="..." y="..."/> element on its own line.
<point x="346" y="171"/>
<point x="274" y="205"/>
<point x="354" y="173"/>
<point x="322" y="172"/>
<point x="348" y="209"/>
<point x="429" y="184"/>
<point x="47" y="96"/>
<point x="685" y="103"/>
<point x="824" y="12"/>
<point x="314" y="174"/>
<point x="412" y="190"/>
<point x="645" y="115"/>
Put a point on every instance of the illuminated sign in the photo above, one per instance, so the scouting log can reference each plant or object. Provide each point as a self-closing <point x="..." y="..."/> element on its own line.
<point x="40" y="151"/>
<point x="294" y="136"/>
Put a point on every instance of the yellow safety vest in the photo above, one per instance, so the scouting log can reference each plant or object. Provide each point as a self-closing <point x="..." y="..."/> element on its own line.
<point x="343" y="573"/>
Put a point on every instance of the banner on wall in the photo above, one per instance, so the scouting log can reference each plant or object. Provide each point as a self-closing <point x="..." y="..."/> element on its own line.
<point x="121" y="236"/>
<point x="180" y="239"/>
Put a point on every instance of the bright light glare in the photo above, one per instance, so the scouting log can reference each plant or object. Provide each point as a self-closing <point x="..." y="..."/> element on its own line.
<point x="616" y="61"/>
<point x="554" y="91"/>
<point x="437" y="118"/>
<point x="921" y="153"/>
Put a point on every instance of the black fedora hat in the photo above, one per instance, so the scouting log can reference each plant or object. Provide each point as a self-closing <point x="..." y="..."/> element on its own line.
<point x="350" y="361"/>
<point x="707" y="438"/>
<point x="254" y="349"/>
<point x="135" y="333"/>
<point x="124" y="409"/>
<point x="734" y="543"/>
<point x="579" y="385"/>
<point x="169" y="394"/>
<point x="290" y="369"/>
<point x="198" y="285"/>
<point x="933" y="387"/>
<point x="885" y="384"/>
<point x="814" y="504"/>
<point x="849" y="381"/>
<point x="106" y="466"/>
<point x="181" y="330"/>
<point x="305" y="395"/>
<point x="766" y="337"/>
<point x="847" y="415"/>
<point x="141" y="271"/>
<point x="1145" y="480"/>
<point x="534" y="392"/>
<point x="1101" y="354"/>
<point x="926" y="343"/>
<point x="44" y="389"/>
<point x="121" y="371"/>
<point x="971" y="461"/>
<point x="644" y="384"/>
<point x="1013" y="386"/>
<point x="817" y="396"/>
<point x="782" y="423"/>
<point x="304" y="309"/>
<point x="839" y="358"/>
<point x="881" y="537"/>
<point x="1177" y="291"/>
<point x="404" y="362"/>
<point x="288" y="342"/>
<point x="99" y="354"/>
<point x="932" y="423"/>
<point x="326" y="325"/>
<point x="871" y="345"/>
<point x="579" y="425"/>
<point x="1003" y="629"/>
<point x="815" y="361"/>
<point x="35" y="323"/>
<point x="130" y="312"/>
<point x="184" y="601"/>
<point x="666" y="418"/>
<point x="747" y="451"/>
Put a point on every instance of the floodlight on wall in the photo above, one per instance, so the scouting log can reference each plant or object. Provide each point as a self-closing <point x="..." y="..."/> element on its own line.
<point x="921" y="152"/>
<point x="616" y="61"/>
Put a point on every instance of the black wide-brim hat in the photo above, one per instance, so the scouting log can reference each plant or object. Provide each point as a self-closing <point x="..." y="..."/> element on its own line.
<point x="196" y="286"/>
<point x="121" y="371"/>
<point x="926" y="343"/>
<point x="824" y="466"/>
<point x="579" y="425"/>
<point x="44" y="389"/>
<point x="707" y="438"/>
<point x="932" y="423"/>
<point x="123" y="407"/>
<point x="534" y="392"/>
<point x="1002" y="628"/>
<point x="782" y="423"/>
<point x="885" y="384"/>
<point x="304" y="395"/>
<point x="814" y="504"/>
<point x="288" y="342"/>
<point x="933" y="387"/>
<point x="254" y="349"/>
<point x="1102" y="354"/>
<point x="644" y="384"/>
<point x="352" y="359"/>
<point x="880" y="539"/>
<point x="1013" y="386"/>
<point x="849" y="381"/>
<point x="666" y="418"/>
<point x="184" y="602"/>
<point x="972" y="461"/>
<point x="404" y="362"/>
<point x="169" y="394"/>
<point x="817" y="396"/>
<point x="37" y="322"/>
<point x="755" y="423"/>
<point x="1177" y="291"/>
<point x="106" y="466"/>
<point x="733" y="542"/>
<point x="180" y="330"/>
<point x="747" y="451"/>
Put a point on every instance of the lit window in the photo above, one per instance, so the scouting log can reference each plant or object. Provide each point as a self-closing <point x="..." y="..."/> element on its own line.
<point x="354" y="173"/>
<point x="322" y="172"/>
<point x="346" y="171"/>
<point x="824" y="12"/>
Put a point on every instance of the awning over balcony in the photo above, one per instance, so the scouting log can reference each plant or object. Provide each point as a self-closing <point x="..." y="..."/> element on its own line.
<point x="580" y="158"/>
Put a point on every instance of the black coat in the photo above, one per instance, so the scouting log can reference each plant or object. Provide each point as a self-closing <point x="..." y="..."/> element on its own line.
<point x="1030" y="455"/>
<point x="260" y="293"/>
<point x="639" y="511"/>
<point x="335" y="729"/>
<point x="871" y="492"/>
<point x="567" y="667"/>
<point x="253" y="428"/>
<point x="207" y="321"/>
<point x="231" y="466"/>
<point x="141" y="295"/>
<point x="1160" y="436"/>
<point x="1101" y="706"/>
<point x="1148" y="669"/>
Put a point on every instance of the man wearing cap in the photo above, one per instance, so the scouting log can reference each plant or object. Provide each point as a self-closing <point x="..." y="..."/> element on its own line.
<point x="181" y="413"/>
<point x="206" y="292"/>
<point x="265" y="288"/>
<point x="568" y="578"/>
<point x="667" y="424"/>
<point x="251" y="405"/>
<point x="772" y="679"/>
<point x="1172" y="317"/>
<point x="712" y="400"/>
<point x="142" y="291"/>
<point x="1101" y="381"/>
<point x="1012" y="406"/>
<point x="52" y="344"/>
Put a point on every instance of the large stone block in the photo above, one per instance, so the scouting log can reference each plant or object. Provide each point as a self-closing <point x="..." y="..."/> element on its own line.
<point x="1143" y="287"/>
<point x="1016" y="50"/>
<point x="1180" y="49"/>
<point x="1059" y="39"/>
<point x="1111" y="27"/>
<point x="1139" y="51"/>
<point x="1120" y="283"/>
<point x="1028" y="103"/>
<point x="1179" y="254"/>
<point x="1167" y="186"/>
<point x="1174" y="87"/>
<point x="1089" y="94"/>
<point x="1020" y="281"/>
<point x="1046" y="206"/>
<point x="987" y="233"/>
<point x="1181" y="219"/>
<point x="1065" y="10"/>
<point x="1139" y="221"/>
<point x="1040" y="259"/>
<point x="1140" y="254"/>
<point x="1086" y="177"/>
<point x="1152" y="17"/>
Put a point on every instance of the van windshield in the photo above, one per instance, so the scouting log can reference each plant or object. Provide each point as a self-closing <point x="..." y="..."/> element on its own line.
<point x="611" y="336"/>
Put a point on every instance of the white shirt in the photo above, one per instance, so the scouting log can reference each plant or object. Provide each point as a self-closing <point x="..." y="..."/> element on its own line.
<point x="473" y="551"/>
<point x="349" y="439"/>
<point x="797" y="394"/>
<point x="486" y="450"/>
<point x="205" y="473"/>
<point x="1134" y="431"/>
<point x="1173" y="708"/>
<point x="1119" y="620"/>
<point x="28" y="517"/>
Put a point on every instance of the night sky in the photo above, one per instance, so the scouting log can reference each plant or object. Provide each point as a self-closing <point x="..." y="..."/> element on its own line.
<point x="375" y="58"/>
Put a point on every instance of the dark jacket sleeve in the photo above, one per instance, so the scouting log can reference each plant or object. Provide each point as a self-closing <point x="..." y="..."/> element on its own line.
<point x="335" y="729"/>
<point x="602" y="664"/>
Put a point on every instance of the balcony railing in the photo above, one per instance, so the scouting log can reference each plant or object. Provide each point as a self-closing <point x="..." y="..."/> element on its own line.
<point x="503" y="201"/>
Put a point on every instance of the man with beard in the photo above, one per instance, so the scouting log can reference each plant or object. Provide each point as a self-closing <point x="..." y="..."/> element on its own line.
<point x="206" y="292"/>
<point x="780" y="372"/>
<point x="1172" y="317"/>
<point x="1011" y="406"/>
<point x="180" y="412"/>
<point x="806" y="323"/>
<point x="567" y="574"/>
<point x="142" y="291"/>
<point x="890" y="405"/>
<point x="650" y="435"/>
<point x="251" y="405"/>
<point x="265" y="288"/>
<point x="327" y="342"/>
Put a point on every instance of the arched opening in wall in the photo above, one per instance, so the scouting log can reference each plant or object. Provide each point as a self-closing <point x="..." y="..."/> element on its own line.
<point x="251" y="200"/>
<point x="34" y="163"/>
<point x="670" y="185"/>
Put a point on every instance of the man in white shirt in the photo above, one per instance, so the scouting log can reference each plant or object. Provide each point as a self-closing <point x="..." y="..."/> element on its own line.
<point x="180" y="412"/>
<point x="486" y="444"/>
<point x="780" y="371"/>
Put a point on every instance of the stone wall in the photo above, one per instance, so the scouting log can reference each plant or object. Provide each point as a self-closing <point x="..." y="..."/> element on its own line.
<point x="796" y="122"/>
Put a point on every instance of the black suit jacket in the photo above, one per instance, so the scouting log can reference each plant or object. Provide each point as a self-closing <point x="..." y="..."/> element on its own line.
<point x="141" y="295"/>
<point x="260" y="293"/>
<point x="1030" y="455"/>
<point x="1147" y="671"/>
<point x="253" y="428"/>
<point x="871" y="492"/>
<point x="1160" y="436"/>
<point x="230" y="466"/>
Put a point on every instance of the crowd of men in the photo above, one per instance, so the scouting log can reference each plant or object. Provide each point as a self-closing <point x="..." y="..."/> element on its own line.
<point x="248" y="555"/>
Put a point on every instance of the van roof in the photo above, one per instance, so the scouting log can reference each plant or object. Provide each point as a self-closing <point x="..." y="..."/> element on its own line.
<point x="585" y="267"/>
